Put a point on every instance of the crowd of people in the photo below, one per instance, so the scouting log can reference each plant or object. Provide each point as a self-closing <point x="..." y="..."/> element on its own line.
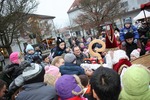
<point x="60" y="76"/>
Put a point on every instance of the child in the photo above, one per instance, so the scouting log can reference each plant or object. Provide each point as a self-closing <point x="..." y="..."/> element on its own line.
<point x="130" y="45"/>
<point x="136" y="81"/>
<point x="59" y="49"/>
<point x="135" y="54"/>
<point x="58" y="61"/>
<point x="69" y="87"/>
<point x="30" y="54"/>
<point x="45" y="61"/>
<point x="51" y="75"/>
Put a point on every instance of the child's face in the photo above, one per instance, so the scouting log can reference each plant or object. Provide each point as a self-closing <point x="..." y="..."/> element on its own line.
<point x="47" y="60"/>
<point x="127" y="25"/>
<point x="30" y="51"/>
<point x="60" y="62"/>
<point x="62" y="45"/>
<point x="130" y="40"/>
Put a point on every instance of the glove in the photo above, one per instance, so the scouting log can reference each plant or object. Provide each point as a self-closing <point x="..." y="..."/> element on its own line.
<point x="135" y="41"/>
<point x="123" y="43"/>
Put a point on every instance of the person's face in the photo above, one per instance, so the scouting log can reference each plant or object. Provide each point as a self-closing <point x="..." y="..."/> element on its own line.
<point x="60" y="62"/>
<point x="62" y="45"/>
<point x="31" y="51"/>
<point x="47" y="60"/>
<point x="130" y="40"/>
<point x="2" y="91"/>
<point x="81" y="45"/>
<point x="77" y="51"/>
<point x="127" y="25"/>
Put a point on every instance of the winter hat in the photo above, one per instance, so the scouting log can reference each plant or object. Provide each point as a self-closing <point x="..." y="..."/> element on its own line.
<point x="51" y="75"/>
<point x="128" y="21"/>
<point x="69" y="58"/>
<point x="111" y="42"/>
<point x="59" y="40"/>
<point x="14" y="57"/>
<point x="136" y="81"/>
<point x="68" y="86"/>
<point x="33" y="74"/>
<point x="53" y="70"/>
<point x="128" y="35"/>
<point x="29" y="47"/>
<point x="136" y="53"/>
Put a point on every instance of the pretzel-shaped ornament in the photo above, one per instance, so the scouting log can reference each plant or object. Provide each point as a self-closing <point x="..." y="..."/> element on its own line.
<point x="96" y="53"/>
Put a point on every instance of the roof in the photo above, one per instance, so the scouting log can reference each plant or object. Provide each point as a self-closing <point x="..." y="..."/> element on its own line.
<point x="74" y="6"/>
<point x="41" y="16"/>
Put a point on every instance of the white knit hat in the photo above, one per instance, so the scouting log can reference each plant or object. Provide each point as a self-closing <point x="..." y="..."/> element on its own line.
<point x="136" y="53"/>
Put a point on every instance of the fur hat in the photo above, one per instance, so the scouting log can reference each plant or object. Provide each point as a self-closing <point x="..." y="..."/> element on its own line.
<point x="128" y="21"/>
<point x="136" y="81"/>
<point x="68" y="86"/>
<point x="34" y="73"/>
<point x="136" y="53"/>
<point x="14" y="57"/>
<point x="69" y="58"/>
<point x="29" y="47"/>
<point x="59" y="40"/>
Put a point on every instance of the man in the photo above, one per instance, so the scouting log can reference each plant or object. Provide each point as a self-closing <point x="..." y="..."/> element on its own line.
<point x="105" y="84"/>
<point x="79" y="55"/>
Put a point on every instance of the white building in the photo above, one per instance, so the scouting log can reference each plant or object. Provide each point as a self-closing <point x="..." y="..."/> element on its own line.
<point x="132" y="6"/>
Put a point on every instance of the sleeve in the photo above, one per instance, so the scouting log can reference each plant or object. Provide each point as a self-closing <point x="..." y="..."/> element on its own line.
<point x="136" y="34"/>
<point x="122" y="35"/>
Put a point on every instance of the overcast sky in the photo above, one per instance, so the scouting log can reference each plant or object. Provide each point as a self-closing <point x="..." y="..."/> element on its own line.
<point x="57" y="8"/>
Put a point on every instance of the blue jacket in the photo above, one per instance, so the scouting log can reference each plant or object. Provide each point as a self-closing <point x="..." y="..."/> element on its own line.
<point x="37" y="91"/>
<point x="71" y="69"/>
<point x="132" y="29"/>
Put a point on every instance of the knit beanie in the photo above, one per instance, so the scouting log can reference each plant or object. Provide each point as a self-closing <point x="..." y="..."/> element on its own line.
<point x="29" y="47"/>
<point x="53" y="70"/>
<point x="14" y="57"/>
<point x="136" y="81"/>
<point x="59" y="40"/>
<point x="69" y="58"/>
<point x="136" y="53"/>
<point x="128" y="21"/>
<point x="33" y="74"/>
<point x="68" y="86"/>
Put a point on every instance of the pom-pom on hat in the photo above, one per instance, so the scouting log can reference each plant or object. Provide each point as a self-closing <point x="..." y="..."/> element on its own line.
<point x="68" y="86"/>
<point x="59" y="40"/>
<point x="69" y="58"/>
<point x="14" y="57"/>
<point x="29" y="47"/>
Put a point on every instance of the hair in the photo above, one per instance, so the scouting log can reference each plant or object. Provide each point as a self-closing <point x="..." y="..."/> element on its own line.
<point x="2" y="83"/>
<point x="84" y="80"/>
<point x="106" y="84"/>
<point x="75" y="47"/>
<point x="56" y="60"/>
<point x="44" y="57"/>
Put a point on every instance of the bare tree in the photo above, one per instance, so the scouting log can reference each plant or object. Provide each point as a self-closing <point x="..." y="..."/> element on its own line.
<point x="12" y="15"/>
<point x="96" y="12"/>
